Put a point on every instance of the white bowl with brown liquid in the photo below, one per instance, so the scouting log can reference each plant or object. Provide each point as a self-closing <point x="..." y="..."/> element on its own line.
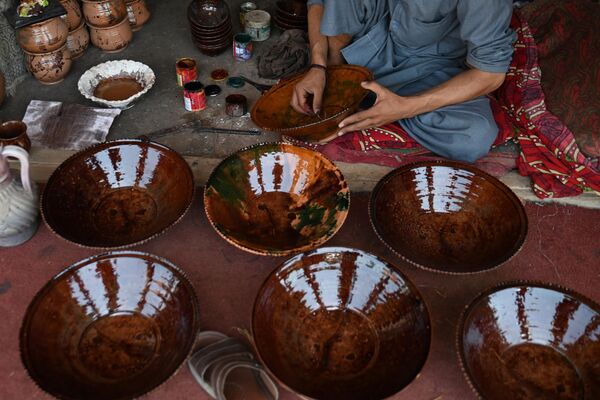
<point x="116" y="84"/>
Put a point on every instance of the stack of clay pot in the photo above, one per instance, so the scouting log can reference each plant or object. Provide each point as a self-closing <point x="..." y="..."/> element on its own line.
<point x="109" y="24"/>
<point x="46" y="52"/>
<point x="79" y="38"/>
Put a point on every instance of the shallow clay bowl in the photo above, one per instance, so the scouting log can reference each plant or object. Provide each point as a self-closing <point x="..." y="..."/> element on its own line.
<point x="342" y="97"/>
<point x="211" y="36"/>
<point x="208" y="13"/>
<point x="448" y="217"/>
<point x="339" y="323"/>
<point x="285" y="26"/>
<point x="526" y="340"/>
<point x="116" y="194"/>
<point x="113" y="326"/>
<point x="276" y="199"/>
<point x="292" y="9"/>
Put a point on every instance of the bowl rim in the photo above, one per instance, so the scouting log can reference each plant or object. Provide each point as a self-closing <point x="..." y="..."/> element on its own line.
<point x="122" y="104"/>
<point x="280" y="253"/>
<point x="26" y="320"/>
<point x="103" y="145"/>
<point x="336" y="249"/>
<point x="518" y="245"/>
<point x="458" y="340"/>
<point x="295" y="79"/>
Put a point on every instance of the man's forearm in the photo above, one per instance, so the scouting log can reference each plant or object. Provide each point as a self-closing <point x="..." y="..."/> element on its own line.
<point x="465" y="86"/>
<point x="318" y="42"/>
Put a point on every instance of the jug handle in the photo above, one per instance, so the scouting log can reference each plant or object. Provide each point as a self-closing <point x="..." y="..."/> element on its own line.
<point x="23" y="156"/>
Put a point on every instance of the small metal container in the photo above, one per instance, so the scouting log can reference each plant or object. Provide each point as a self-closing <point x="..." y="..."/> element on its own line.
<point x="194" y="97"/>
<point x="186" y="70"/>
<point x="242" y="47"/>
<point x="258" y="25"/>
<point x="236" y="105"/>
<point x="245" y="8"/>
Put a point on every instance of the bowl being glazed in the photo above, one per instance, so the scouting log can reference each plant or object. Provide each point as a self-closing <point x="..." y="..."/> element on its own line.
<point x="448" y="217"/>
<point x="343" y="94"/>
<point x="339" y="323"/>
<point x="117" y="194"/>
<point x="78" y="41"/>
<point x="116" y="69"/>
<point x="276" y="199"/>
<point x="114" y="38"/>
<point x="531" y="341"/>
<point x="113" y="326"/>
<point x="43" y="37"/>
<point x="104" y="13"/>
<point x="49" y="68"/>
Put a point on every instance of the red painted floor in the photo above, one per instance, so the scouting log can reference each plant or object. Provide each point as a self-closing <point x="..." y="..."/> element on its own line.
<point x="563" y="247"/>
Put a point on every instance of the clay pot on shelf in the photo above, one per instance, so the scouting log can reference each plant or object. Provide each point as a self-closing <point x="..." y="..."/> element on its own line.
<point x="104" y="13"/>
<point x="78" y="41"/>
<point x="112" y="39"/>
<point x="43" y="37"/>
<point x="51" y="67"/>
<point x="73" y="17"/>
<point x="138" y="14"/>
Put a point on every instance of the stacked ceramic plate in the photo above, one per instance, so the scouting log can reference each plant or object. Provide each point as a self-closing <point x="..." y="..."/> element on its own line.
<point x="291" y="14"/>
<point x="210" y="25"/>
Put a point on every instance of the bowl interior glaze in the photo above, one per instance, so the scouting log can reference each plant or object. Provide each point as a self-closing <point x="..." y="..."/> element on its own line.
<point x="117" y="193"/>
<point x="530" y="341"/>
<point x="448" y="216"/>
<point x="276" y="199"/>
<point x="343" y="94"/>
<point x="113" y="326"/>
<point x="339" y="323"/>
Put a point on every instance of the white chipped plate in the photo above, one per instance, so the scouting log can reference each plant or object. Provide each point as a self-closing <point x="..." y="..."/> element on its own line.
<point x="116" y="69"/>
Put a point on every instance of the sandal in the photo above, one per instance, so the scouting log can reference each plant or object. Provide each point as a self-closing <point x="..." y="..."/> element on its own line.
<point x="227" y="370"/>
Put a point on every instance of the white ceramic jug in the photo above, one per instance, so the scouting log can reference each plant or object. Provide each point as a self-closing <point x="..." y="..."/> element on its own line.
<point x="19" y="213"/>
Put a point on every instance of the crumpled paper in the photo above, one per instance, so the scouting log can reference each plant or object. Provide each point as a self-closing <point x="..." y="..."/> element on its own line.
<point x="55" y="125"/>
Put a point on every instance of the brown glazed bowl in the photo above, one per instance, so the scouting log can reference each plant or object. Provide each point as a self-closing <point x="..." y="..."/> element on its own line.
<point x="104" y="13"/>
<point x="529" y="340"/>
<point x="138" y="14"/>
<point x="448" y="216"/>
<point x="43" y="37"/>
<point x="342" y="97"/>
<point x="339" y="323"/>
<point x="73" y="18"/>
<point x="276" y="199"/>
<point x="49" y="68"/>
<point x="78" y="41"/>
<point x="112" y="39"/>
<point x="14" y="133"/>
<point x="117" y="194"/>
<point x="113" y="326"/>
<point x="209" y="13"/>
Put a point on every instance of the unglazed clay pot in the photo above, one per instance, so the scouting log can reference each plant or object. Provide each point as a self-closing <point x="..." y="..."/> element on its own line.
<point x="49" y="68"/>
<point x="78" y="40"/>
<point x="43" y="37"/>
<point x="73" y="17"/>
<point x="114" y="38"/>
<point x="138" y="14"/>
<point x="104" y="13"/>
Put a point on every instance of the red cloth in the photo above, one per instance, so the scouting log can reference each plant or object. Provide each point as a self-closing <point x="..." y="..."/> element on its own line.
<point x="549" y="154"/>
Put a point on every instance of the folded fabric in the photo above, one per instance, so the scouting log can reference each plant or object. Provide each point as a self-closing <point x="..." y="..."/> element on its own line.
<point x="288" y="56"/>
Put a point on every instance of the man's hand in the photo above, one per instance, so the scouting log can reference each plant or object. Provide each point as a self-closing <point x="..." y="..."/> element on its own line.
<point x="308" y="93"/>
<point x="388" y="107"/>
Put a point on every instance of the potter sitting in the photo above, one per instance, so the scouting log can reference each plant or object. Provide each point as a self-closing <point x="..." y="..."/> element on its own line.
<point x="434" y="62"/>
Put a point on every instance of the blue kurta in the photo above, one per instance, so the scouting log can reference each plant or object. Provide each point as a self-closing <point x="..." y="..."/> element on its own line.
<point x="414" y="45"/>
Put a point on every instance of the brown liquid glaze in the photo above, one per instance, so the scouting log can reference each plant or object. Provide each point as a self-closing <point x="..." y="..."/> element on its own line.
<point x="526" y="341"/>
<point x="276" y="199"/>
<point x="448" y="216"/>
<point x="114" y="89"/>
<point x="113" y="326"/>
<point x="118" y="193"/>
<point x="339" y="323"/>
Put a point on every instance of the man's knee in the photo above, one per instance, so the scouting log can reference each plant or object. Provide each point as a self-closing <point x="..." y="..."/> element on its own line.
<point x="476" y="143"/>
